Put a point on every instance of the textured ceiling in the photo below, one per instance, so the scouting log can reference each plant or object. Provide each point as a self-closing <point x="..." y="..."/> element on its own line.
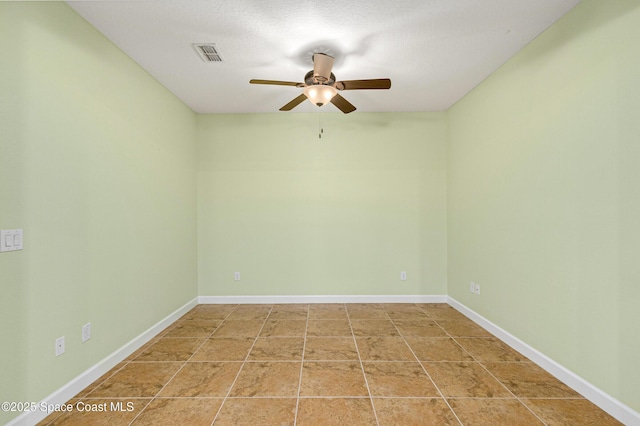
<point x="434" y="51"/>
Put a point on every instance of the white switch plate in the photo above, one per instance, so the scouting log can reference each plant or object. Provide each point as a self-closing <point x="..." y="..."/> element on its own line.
<point x="236" y="276"/>
<point x="10" y="240"/>
<point x="478" y="289"/>
<point x="403" y="275"/>
<point x="17" y="239"/>
<point x="472" y="287"/>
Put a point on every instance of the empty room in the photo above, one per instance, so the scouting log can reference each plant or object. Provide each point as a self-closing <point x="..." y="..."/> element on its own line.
<point x="338" y="213"/>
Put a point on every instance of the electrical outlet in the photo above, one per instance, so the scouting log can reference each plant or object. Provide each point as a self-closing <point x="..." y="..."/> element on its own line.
<point x="86" y="332"/>
<point x="236" y="276"/>
<point x="59" y="346"/>
<point x="478" y="289"/>
<point x="472" y="287"/>
<point x="403" y="275"/>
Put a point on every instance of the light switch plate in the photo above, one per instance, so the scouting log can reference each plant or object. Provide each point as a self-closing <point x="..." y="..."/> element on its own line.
<point x="10" y="240"/>
<point x="6" y="240"/>
<point x="17" y="239"/>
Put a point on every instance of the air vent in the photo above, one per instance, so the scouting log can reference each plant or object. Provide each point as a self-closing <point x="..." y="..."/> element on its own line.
<point x="208" y="52"/>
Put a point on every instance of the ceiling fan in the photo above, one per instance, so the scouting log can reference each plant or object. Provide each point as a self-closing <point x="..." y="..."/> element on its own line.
<point x="320" y="86"/>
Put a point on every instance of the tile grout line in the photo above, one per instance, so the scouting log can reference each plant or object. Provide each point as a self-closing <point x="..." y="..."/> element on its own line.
<point x="366" y="382"/>
<point x="241" y="367"/>
<point x="304" y="348"/>
<point x="481" y="364"/>
<point x="182" y="366"/>
<point x="128" y="361"/>
<point x="486" y="369"/>
<point x="423" y="368"/>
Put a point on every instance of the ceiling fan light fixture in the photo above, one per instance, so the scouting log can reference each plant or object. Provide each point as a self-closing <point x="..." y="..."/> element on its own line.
<point x="320" y="94"/>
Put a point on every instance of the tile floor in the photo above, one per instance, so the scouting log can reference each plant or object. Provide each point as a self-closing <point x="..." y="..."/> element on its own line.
<point x="328" y="364"/>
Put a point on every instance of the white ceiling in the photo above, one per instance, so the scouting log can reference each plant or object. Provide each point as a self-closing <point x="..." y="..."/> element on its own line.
<point x="434" y="51"/>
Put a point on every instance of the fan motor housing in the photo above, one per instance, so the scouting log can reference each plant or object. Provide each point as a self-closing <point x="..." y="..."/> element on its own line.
<point x="311" y="80"/>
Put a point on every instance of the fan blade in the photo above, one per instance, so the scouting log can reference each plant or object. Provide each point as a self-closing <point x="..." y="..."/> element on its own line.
<point x="277" y="83"/>
<point x="322" y="65"/>
<point x="294" y="103"/>
<point x="342" y="104"/>
<point x="378" y="83"/>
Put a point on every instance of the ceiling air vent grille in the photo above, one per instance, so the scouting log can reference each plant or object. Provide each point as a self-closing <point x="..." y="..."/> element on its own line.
<point x="208" y="52"/>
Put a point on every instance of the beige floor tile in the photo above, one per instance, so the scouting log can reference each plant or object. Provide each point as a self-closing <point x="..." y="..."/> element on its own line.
<point x="224" y="349"/>
<point x="211" y="312"/>
<point x="147" y="345"/>
<point x="193" y="328"/>
<point x="400" y="307"/>
<point x="102" y="378"/>
<point x="291" y="309"/>
<point x="101" y="412"/>
<point x="244" y="313"/>
<point x="419" y="328"/>
<point x="362" y="314"/>
<point x="437" y="349"/>
<point x="528" y="380"/>
<point x="180" y="411"/>
<point x="493" y="412"/>
<point x="283" y="327"/>
<point x="384" y="349"/>
<point x="364" y="306"/>
<point x="465" y="379"/>
<point x="328" y="314"/>
<point x="238" y="328"/>
<point x="327" y="311"/>
<point x="137" y="379"/>
<point x="576" y="412"/>
<point x="171" y="349"/>
<point x="373" y="327"/>
<point x="406" y="379"/>
<point x="257" y="412"/>
<point x="490" y="350"/>
<point x="442" y="313"/>
<point x="253" y="307"/>
<point x="335" y="412"/>
<point x="408" y="315"/>
<point x="268" y="379"/>
<point x="463" y="328"/>
<point x="334" y="378"/>
<point x="413" y="412"/>
<point x="327" y="307"/>
<point x="329" y="328"/>
<point x="288" y="315"/>
<point x="202" y="379"/>
<point x="330" y="348"/>
<point x="277" y="349"/>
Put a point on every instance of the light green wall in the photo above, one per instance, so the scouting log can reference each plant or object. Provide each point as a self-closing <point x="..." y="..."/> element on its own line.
<point x="544" y="195"/>
<point x="299" y="215"/>
<point x="13" y="297"/>
<point x="97" y="165"/>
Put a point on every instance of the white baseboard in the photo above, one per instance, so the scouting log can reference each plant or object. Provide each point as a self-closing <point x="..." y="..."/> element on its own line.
<point x="606" y="402"/>
<point x="392" y="298"/>
<point x="92" y="374"/>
